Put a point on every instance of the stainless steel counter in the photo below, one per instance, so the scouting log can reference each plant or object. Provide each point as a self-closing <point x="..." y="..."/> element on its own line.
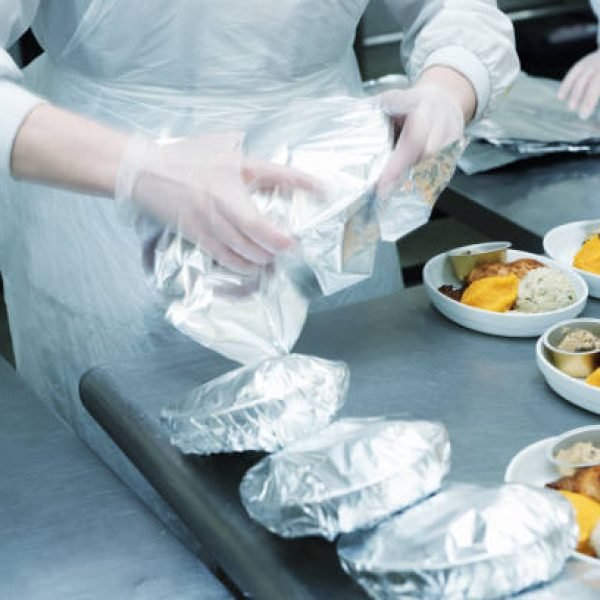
<point x="69" y="529"/>
<point x="521" y="202"/>
<point x="404" y="358"/>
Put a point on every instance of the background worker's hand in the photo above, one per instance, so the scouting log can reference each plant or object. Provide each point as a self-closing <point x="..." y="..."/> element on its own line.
<point x="580" y="88"/>
<point x="201" y="187"/>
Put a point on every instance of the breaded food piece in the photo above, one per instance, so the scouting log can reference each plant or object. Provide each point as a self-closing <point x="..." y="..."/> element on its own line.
<point x="495" y="269"/>
<point x="519" y="267"/>
<point x="586" y="481"/>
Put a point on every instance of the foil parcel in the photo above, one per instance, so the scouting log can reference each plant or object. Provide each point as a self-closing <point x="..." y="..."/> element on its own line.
<point x="350" y="475"/>
<point x="466" y="542"/>
<point x="262" y="407"/>
<point x="344" y="143"/>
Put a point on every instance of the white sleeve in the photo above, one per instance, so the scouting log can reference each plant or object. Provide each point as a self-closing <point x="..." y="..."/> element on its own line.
<point x="472" y="36"/>
<point x="15" y="101"/>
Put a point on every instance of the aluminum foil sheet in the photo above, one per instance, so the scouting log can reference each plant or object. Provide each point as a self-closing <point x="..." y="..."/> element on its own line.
<point x="349" y="475"/>
<point x="244" y="317"/>
<point x="466" y="542"/>
<point x="264" y="407"/>
<point x="344" y="143"/>
<point x="531" y="122"/>
<point x="579" y="580"/>
<point x="533" y="113"/>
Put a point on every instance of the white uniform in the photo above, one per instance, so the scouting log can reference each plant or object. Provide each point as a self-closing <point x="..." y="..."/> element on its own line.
<point x="74" y="285"/>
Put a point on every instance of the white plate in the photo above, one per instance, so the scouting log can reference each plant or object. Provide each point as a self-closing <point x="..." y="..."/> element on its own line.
<point x="530" y="466"/>
<point x="574" y="390"/>
<point x="562" y="243"/>
<point x="438" y="272"/>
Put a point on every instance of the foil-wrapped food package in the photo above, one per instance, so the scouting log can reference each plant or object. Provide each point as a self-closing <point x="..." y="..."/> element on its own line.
<point x="263" y="407"/>
<point x="344" y="143"/>
<point x="347" y="476"/>
<point x="466" y="542"/>
<point x="244" y="317"/>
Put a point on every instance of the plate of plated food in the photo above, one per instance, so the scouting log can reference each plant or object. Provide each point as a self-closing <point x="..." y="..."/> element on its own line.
<point x="577" y="245"/>
<point x="494" y="289"/>
<point x="568" y="355"/>
<point x="570" y="464"/>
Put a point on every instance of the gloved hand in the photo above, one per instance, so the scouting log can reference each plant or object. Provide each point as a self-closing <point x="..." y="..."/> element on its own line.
<point x="201" y="187"/>
<point x="580" y="88"/>
<point x="428" y="118"/>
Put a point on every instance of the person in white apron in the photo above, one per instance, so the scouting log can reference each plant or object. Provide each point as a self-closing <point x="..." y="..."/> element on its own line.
<point x="74" y="283"/>
<point x="580" y="88"/>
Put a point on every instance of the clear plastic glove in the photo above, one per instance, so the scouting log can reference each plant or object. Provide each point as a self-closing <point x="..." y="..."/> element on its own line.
<point x="580" y="88"/>
<point x="201" y="187"/>
<point x="428" y="118"/>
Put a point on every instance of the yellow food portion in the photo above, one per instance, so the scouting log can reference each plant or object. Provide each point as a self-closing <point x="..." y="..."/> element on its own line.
<point x="594" y="378"/>
<point x="498" y="294"/>
<point x="588" y="257"/>
<point x="588" y="514"/>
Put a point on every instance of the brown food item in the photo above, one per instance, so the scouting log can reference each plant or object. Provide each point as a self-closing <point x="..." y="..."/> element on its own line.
<point x="586" y="481"/>
<point x="494" y="269"/>
<point x="520" y="268"/>
<point x="452" y="292"/>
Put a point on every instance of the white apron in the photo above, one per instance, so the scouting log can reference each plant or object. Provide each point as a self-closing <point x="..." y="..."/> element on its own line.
<point x="74" y="284"/>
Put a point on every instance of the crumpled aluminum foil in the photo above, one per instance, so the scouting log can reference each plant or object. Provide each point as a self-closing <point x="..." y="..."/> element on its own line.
<point x="466" y="542"/>
<point x="263" y="407"/>
<point x="579" y="580"/>
<point x="349" y="475"/>
<point x="531" y="122"/>
<point x="344" y="143"/>
<point x="244" y="317"/>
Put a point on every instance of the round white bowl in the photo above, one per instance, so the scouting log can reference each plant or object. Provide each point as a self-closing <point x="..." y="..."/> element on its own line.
<point x="562" y="243"/>
<point x="531" y="467"/>
<point x="576" y="391"/>
<point x="438" y="272"/>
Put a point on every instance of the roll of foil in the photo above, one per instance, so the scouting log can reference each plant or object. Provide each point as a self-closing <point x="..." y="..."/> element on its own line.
<point x="466" y="542"/>
<point x="344" y="143"/>
<point x="263" y="407"/>
<point x="349" y="475"/>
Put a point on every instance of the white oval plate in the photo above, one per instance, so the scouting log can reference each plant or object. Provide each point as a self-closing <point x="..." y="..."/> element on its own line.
<point x="562" y="243"/>
<point x="573" y="390"/>
<point x="531" y="466"/>
<point x="438" y="272"/>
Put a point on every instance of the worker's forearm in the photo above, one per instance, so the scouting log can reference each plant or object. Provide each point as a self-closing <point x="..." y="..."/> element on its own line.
<point x="455" y="84"/>
<point x="59" y="148"/>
